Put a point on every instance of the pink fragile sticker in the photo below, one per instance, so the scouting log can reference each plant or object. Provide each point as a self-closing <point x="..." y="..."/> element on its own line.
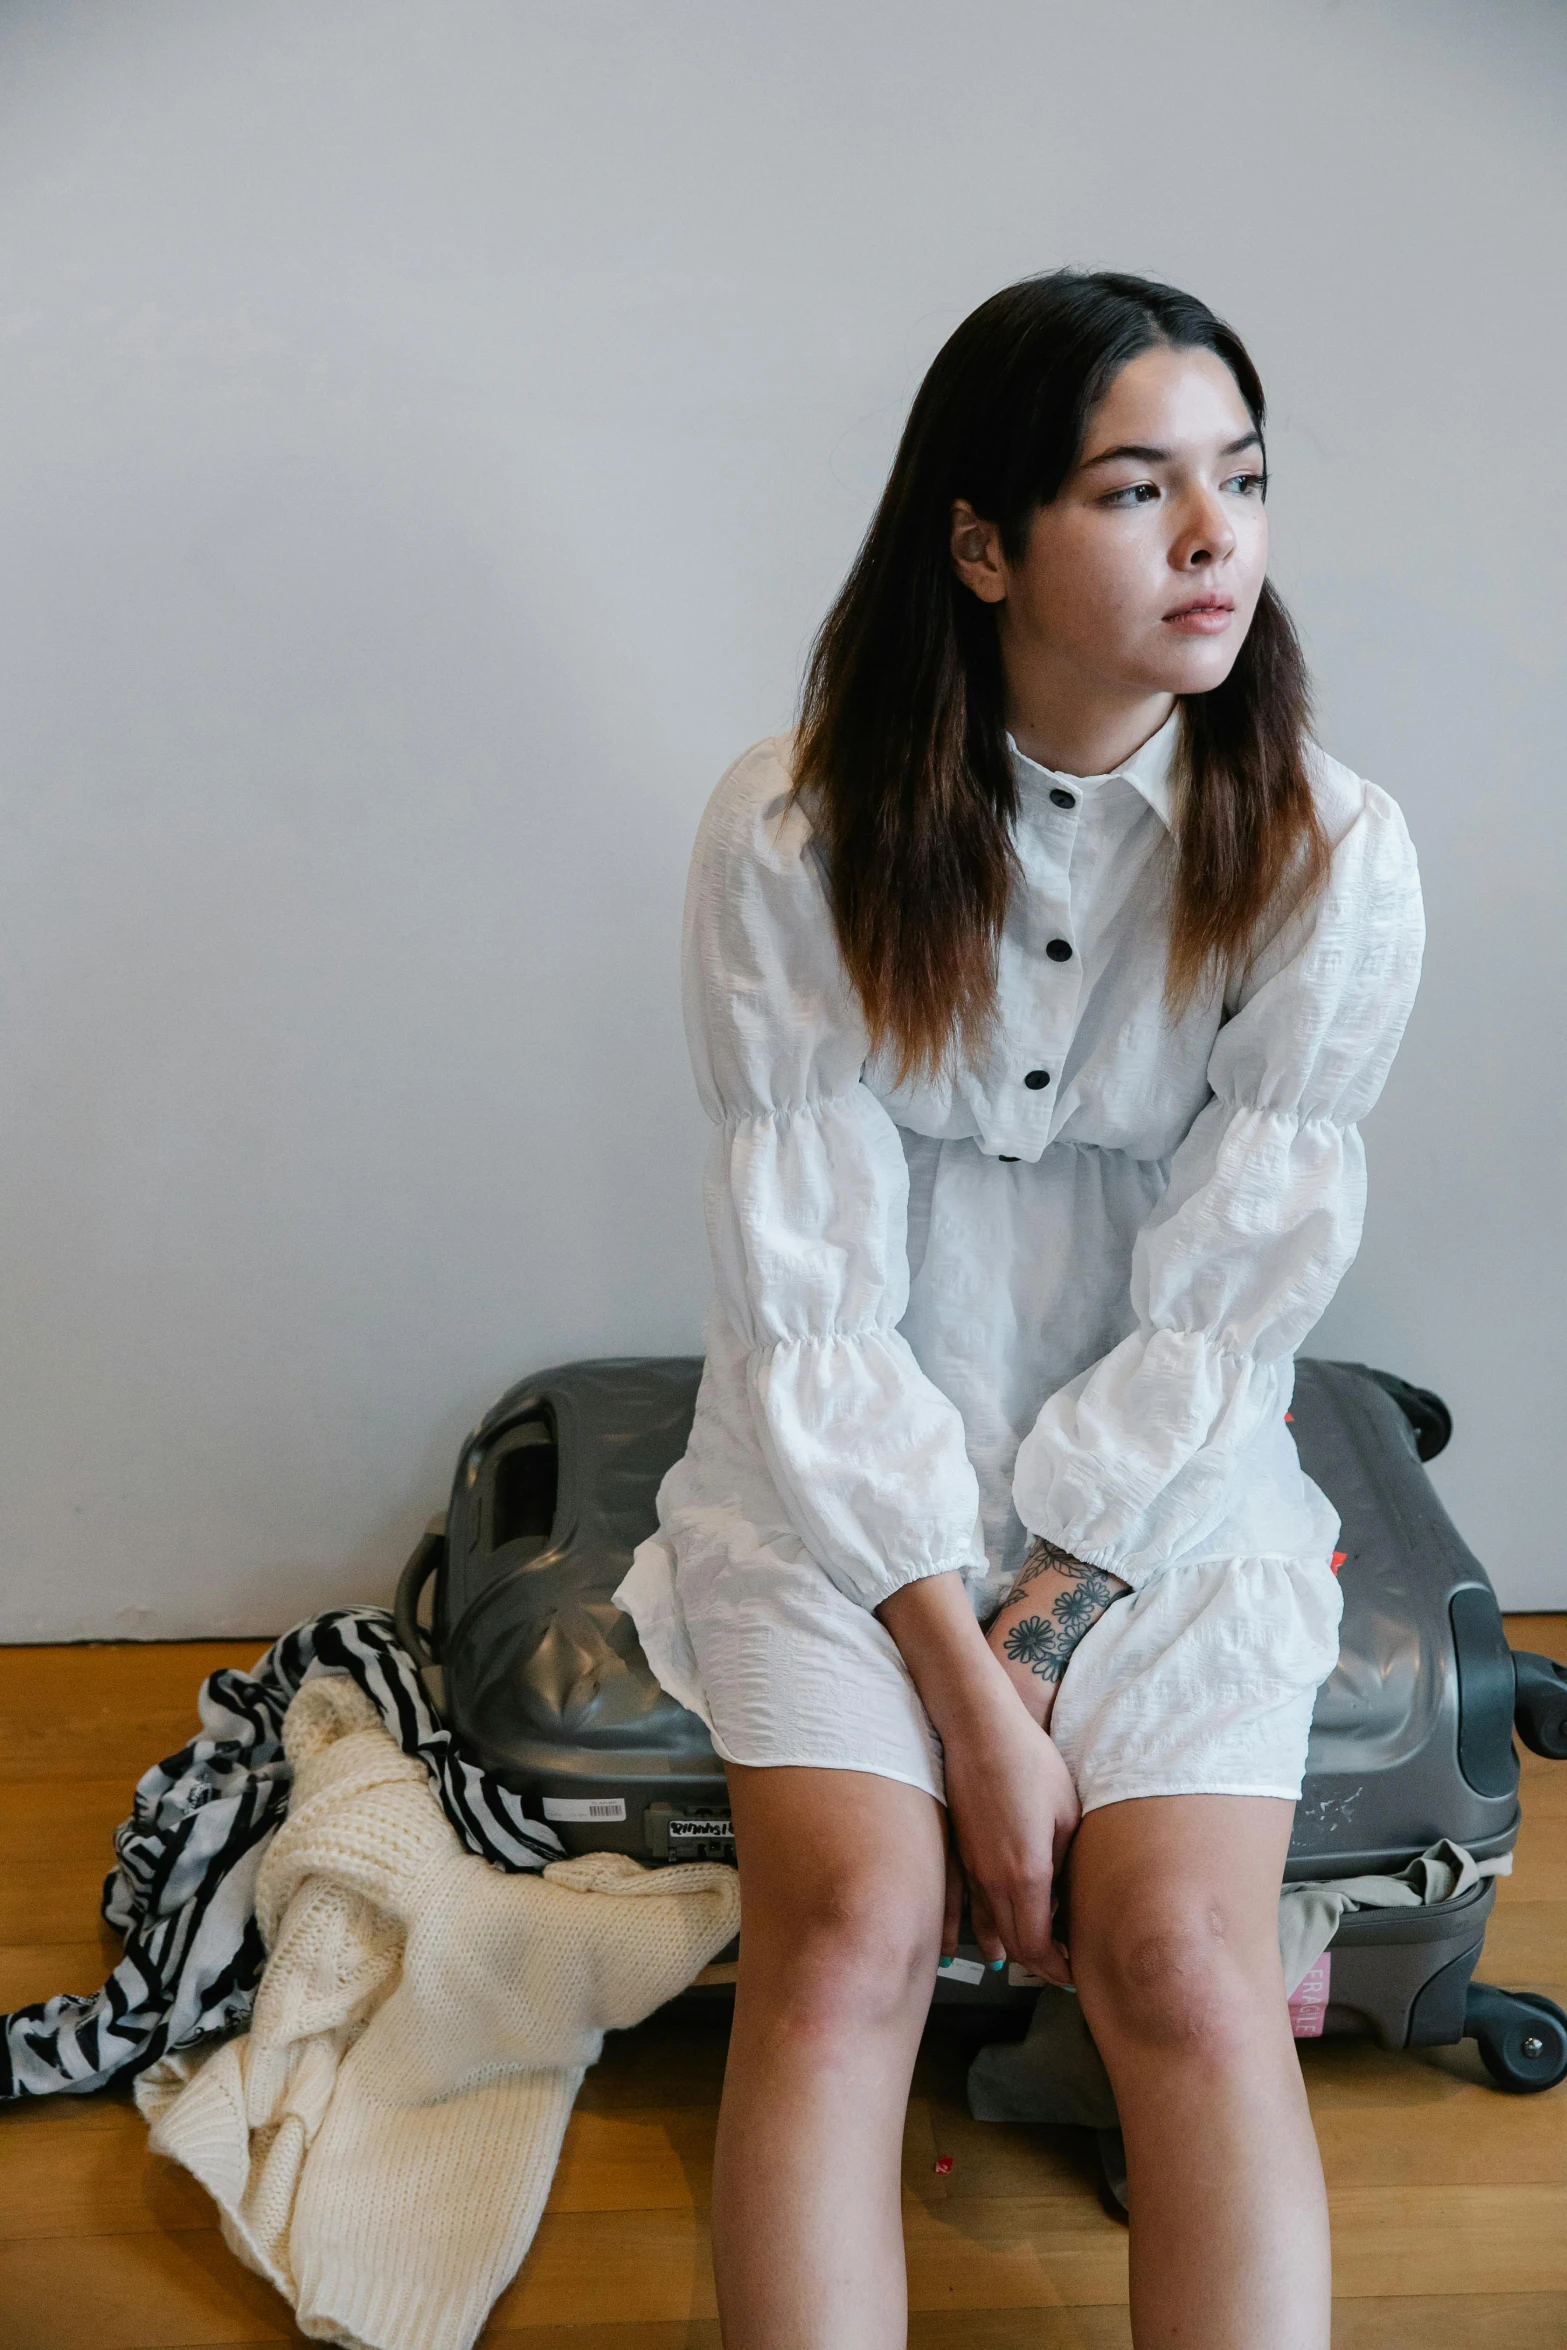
<point x="1309" y="2001"/>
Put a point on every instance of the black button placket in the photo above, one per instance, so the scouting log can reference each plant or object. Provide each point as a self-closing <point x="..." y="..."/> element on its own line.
<point x="1041" y="1022"/>
<point x="1057" y="995"/>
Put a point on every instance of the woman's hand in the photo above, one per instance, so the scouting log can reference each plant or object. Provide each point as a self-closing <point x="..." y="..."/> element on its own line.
<point x="1052" y="1604"/>
<point x="1013" y="1812"/>
<point x="1010" y="1800"/>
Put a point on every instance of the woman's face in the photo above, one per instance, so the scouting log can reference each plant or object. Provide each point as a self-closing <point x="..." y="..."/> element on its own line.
<point x="1142" y="574"/>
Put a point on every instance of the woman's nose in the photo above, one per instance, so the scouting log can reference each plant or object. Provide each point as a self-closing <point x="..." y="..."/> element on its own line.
<point x="1206" y="536"/>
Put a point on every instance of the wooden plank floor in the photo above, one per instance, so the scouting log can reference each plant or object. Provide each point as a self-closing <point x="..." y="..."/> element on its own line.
<point x="1449" y="2199"/>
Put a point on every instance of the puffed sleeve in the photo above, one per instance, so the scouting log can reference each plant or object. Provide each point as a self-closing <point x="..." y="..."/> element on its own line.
<point x="1132" y="1463"/>
<point x="806" y="1196"/>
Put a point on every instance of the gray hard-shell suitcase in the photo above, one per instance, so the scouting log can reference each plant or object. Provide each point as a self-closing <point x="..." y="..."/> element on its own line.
<point x="543" y="1679"/>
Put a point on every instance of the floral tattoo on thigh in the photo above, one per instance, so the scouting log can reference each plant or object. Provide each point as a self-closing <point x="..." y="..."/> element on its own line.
<point x="1044" y="1643"/>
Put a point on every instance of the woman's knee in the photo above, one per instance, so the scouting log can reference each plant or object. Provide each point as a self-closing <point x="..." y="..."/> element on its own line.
<point x="1174" y="1907"/>
<point x="1178" y="1979"/>
<point x="843" y="1929"/>
<point x="853" y="1949"/>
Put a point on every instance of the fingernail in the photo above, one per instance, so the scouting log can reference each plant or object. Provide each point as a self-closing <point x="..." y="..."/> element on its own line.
<point x="996" y="1965"/>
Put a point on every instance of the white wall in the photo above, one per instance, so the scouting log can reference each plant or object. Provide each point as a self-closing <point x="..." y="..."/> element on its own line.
<point x="428" y="436"/>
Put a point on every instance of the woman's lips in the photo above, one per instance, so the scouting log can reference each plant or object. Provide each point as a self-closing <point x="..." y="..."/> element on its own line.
<point x="1210" y="617"/>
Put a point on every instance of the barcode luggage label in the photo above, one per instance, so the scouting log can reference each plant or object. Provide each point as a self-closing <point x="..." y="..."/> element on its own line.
<point x="584" y="1807"/>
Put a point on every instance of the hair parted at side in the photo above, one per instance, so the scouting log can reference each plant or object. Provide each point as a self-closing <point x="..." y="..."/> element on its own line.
<point x="901" y="752"/>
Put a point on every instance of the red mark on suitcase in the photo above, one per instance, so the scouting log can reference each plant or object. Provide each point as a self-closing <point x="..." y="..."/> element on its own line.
<point x="1339" y="1556"/>
<point x="943" y="2165"/>
<point x="1309" y="2001"/>
<point x="1289" y="1419"/>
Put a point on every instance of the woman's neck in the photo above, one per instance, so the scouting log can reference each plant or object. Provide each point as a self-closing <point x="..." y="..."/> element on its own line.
<point x="1084" y="736"/>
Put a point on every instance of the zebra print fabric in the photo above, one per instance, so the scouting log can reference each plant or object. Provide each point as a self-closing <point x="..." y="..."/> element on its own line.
<point x="183" y="1892"/>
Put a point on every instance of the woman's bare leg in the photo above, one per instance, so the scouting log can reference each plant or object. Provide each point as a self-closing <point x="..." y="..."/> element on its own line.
<point x="842" y="1877"/>
<point x="1175" y="1952"/>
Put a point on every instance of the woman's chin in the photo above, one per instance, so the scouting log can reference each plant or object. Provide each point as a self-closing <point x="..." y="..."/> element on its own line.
<point x="1195" y="665"/>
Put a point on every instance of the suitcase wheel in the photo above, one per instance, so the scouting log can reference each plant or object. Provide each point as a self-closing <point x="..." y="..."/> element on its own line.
<point x="1522" y="2037"/>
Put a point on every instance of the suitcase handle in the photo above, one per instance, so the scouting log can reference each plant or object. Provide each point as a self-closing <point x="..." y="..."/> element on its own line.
<point x="410" y="1590"/>
<point x="1541" y="1714"/>
<point x="1430" y="1421"/>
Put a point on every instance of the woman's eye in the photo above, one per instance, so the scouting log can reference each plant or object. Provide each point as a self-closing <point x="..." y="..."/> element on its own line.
<point x="1250" y="485"/>
<point x="1137" y="493"/>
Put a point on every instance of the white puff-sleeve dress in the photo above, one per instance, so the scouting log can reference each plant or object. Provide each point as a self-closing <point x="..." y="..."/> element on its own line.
<point x="1057" y="1292"/>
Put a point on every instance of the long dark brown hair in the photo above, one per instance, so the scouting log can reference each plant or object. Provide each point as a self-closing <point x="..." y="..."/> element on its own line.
<point x="901" y="753"/>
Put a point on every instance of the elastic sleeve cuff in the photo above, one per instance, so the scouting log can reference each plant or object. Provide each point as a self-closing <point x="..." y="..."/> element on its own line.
<point x="1109" y="1557"/>
<point x="899" y="1578"/>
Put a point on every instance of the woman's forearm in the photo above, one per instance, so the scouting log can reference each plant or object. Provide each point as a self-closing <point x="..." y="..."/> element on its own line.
<point x="1055" y="1600"/>
<point x="1011" y="1805"/>
<point x="961" y="1670"/>
<point x="957" y="1674"/>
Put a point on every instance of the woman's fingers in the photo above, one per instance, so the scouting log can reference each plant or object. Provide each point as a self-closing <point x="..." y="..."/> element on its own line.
<point x="1022" y="1933"/>
<point x="1013" y="1810"/>
<point x="1017" y="1919"/>
<point x="1024" y="1918"/>
<point x="1014" y="1914"/>
<point x="952" y="1912"/>
<point x="986" y="1931"/>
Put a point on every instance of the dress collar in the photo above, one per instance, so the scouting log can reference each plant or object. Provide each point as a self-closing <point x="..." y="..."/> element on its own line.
<point x="1148" y="770"/>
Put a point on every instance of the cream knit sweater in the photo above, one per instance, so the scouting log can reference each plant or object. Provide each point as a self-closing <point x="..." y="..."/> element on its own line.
<point x="381" y="2142"/>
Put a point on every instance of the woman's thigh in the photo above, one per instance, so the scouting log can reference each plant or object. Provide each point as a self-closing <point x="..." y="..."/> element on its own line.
<point x="1205" y="1678"/>
<point x="1174" y="1917"/>
<point x="842" y="1876"/>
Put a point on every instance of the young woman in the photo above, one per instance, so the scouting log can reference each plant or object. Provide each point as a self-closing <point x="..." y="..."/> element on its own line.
<point x="1035" y="987"/>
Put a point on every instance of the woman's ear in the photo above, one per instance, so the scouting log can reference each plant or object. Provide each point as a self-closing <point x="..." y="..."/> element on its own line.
<point x="976" y="554"/>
